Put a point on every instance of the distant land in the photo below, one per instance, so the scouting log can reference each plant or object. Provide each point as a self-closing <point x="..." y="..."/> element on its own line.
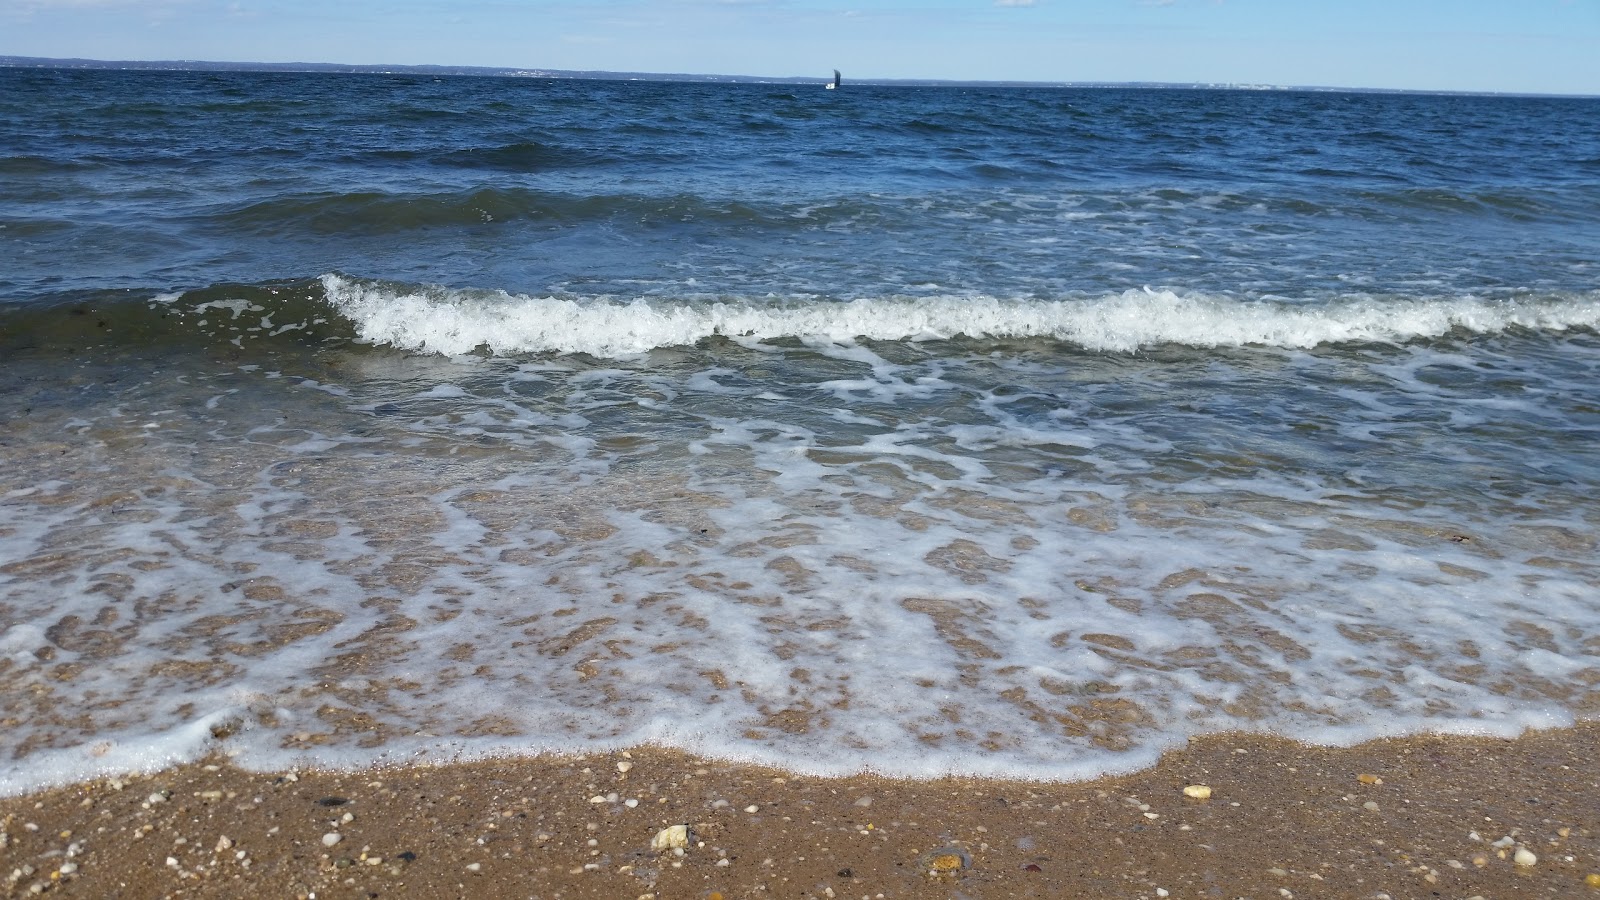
<point x="190" y="65"/>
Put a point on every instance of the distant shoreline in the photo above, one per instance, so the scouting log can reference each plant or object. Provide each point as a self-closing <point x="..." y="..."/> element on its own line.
<point x="186" y="65"/>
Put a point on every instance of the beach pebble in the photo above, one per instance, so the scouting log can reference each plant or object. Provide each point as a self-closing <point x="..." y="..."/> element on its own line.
<point x="1198" y="791"/>
<point x="945" y="861"/>
<point x="331" y="838"/>
<point x="624" y="766"/>
<point x="1370" y="806"/>
<point x="1369" y="779"/>
<point x="673" y="837"/>
<point x="1524" y="857"/>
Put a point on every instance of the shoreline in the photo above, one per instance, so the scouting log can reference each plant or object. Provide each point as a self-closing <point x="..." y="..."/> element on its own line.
<point x="1421" y="816"/>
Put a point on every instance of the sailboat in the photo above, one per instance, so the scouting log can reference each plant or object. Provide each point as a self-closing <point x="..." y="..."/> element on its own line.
<point x="833" y="85"/>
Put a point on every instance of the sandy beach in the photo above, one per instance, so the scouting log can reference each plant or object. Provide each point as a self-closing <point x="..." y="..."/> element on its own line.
<point x="1419" y="817"/>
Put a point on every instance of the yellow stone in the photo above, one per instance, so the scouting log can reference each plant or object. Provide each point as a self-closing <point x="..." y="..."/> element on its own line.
<point x="1198" y="791"/>
<point x="1592" y="880"/>
<point x="1369" y="779"/>
<point x="945" y="862"/>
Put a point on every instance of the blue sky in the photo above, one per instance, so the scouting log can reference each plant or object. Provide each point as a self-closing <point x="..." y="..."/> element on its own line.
<point x="1550" y="46"/>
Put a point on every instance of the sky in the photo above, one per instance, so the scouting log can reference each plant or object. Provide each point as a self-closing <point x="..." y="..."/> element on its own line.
<point x="1530" y="46"/>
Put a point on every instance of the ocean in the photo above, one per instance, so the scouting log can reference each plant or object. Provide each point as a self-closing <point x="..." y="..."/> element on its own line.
<point x="1026" y="432"/>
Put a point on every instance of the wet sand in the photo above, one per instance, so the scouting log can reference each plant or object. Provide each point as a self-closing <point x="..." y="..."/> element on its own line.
<point x="1420" y="817"/>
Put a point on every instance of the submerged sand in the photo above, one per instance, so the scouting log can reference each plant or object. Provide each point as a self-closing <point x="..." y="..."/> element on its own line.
<point x="1418" y="817"/>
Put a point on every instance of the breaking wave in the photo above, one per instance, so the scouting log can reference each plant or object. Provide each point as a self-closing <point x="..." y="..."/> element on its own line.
<point x="447" y="321"/>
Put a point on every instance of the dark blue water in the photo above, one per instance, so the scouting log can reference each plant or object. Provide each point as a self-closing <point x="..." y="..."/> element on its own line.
<point x="179" y="180"/>
<point x="1012" y="431"/>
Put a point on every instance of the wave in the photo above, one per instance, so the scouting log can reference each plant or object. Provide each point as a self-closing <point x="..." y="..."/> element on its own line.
<point x="446" y="321"/>
<point x="233" y="316"/>
<point x="340" y="310"/>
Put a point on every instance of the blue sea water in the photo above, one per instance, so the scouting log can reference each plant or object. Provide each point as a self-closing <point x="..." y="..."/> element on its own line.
<point x="1010" y="431"/>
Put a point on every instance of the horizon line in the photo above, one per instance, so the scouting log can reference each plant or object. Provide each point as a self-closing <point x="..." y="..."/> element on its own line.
<point x="197" y="65"/>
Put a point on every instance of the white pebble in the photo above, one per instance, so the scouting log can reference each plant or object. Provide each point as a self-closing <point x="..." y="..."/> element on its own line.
<point x="1524" y="857"/>
<point x="673" y="837"/>
<point x="752" y="808"/>
<point x="68" y="868"/>
<point x="864" y="801"/>
<point x="1198" y="791"/>
<point x="624" y="766"/>
<point x="474" y="867"/>
<point x="631" y="802"/>
<point x="331" y="838"/>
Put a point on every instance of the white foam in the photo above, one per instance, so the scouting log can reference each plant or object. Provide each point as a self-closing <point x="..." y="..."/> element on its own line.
<point x="451" y="322"/>
<point x="831" y="558"/>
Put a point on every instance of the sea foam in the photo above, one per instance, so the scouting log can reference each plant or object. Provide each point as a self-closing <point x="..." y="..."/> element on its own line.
<point x="446" y="321"/>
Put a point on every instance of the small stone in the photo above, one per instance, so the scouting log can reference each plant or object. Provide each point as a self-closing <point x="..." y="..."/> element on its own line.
<point x="945" y="861"/>
<point x="331" y="838"/>
<point x="1370" y="806"/>
<point x="68" y="868"/>
<point x="474" y="868"/>
<point x="1198" y="791"/>
<point x="752" y="808"/>
<point x="631" y="802"/>
<point x="157" y="797"/>
<point x="1369" y="779"/>
<point x="673" y="837"/>
<point x="864" y="802"/>
<point x="624" y="766"/>
<point x="224" y="843"/>
<point x="1524" y="857"/>
<point x="1592" y="880"/>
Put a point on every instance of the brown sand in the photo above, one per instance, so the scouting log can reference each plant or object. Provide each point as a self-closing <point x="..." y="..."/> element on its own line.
<point x="1404" y="818"/>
